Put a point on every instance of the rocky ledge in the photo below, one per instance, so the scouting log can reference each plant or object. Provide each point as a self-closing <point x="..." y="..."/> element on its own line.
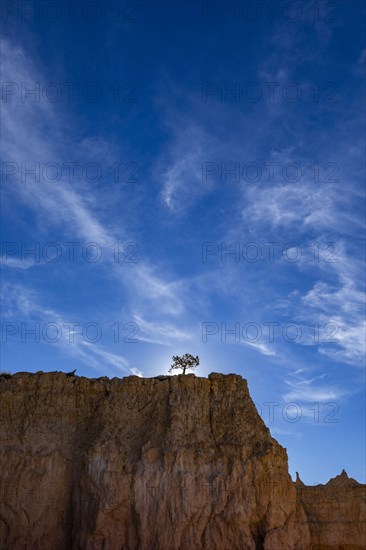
<point x="165" y="463"/>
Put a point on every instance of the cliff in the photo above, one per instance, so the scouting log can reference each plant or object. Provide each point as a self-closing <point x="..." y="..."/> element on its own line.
<point x="166" y="463"/>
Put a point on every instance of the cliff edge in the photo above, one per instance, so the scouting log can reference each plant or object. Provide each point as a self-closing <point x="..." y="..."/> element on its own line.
<point x="165" y="463"/>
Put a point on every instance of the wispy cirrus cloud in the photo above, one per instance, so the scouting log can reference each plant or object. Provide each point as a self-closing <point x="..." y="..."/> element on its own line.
<point x="162" y="333"/>
<point x="339" y="300"/>
<point x="262" y="348"/>
<point x="68" y="206"/>
<point x="17" y="263"/>
<point x="181" y="168"/>
<point x="313" y="393"/>
<point x="303" y="389"/>
<point x="22" y="306"/>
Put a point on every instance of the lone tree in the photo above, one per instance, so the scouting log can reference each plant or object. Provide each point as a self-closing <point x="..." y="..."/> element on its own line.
<point x="187" y="361"/>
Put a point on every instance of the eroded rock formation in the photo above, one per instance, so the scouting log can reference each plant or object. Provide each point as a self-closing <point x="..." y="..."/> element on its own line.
<point x="166" y="463"/>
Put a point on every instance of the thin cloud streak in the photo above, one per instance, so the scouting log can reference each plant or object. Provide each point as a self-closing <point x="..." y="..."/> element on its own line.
<point x="61" y="204"/>
<point x="19" y="302"/>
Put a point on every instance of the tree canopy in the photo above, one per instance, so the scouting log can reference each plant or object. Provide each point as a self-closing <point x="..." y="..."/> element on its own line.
<point x="184" y="362"/>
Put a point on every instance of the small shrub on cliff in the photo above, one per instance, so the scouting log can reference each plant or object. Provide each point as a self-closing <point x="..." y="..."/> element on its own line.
<point x="187" y="361"/>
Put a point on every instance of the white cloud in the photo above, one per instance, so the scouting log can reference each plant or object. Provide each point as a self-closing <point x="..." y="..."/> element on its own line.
<point x="181" y="168"/>
<point x="23" y="305"/>
<point x="302" y="206"/>
<point x="17" y="263"/>
<point x="35" y="132"/>
<point x="311" y="393"/>
<point x="340" y="303"/>
<point x="311" y="380"/>
<point x="160" y="333"/>
<point x="154" y="289"/>
<point x="261" y="347"/>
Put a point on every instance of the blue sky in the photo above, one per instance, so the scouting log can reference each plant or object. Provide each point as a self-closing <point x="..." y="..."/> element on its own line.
<point x="188" y="176"/>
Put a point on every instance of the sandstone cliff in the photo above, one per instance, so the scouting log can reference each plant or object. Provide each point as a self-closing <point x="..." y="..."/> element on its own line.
<point x="166" y="463"/>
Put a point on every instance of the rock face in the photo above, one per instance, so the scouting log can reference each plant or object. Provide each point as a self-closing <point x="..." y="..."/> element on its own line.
<point x="335" y="513"/>
<point x="166" y="463"/>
